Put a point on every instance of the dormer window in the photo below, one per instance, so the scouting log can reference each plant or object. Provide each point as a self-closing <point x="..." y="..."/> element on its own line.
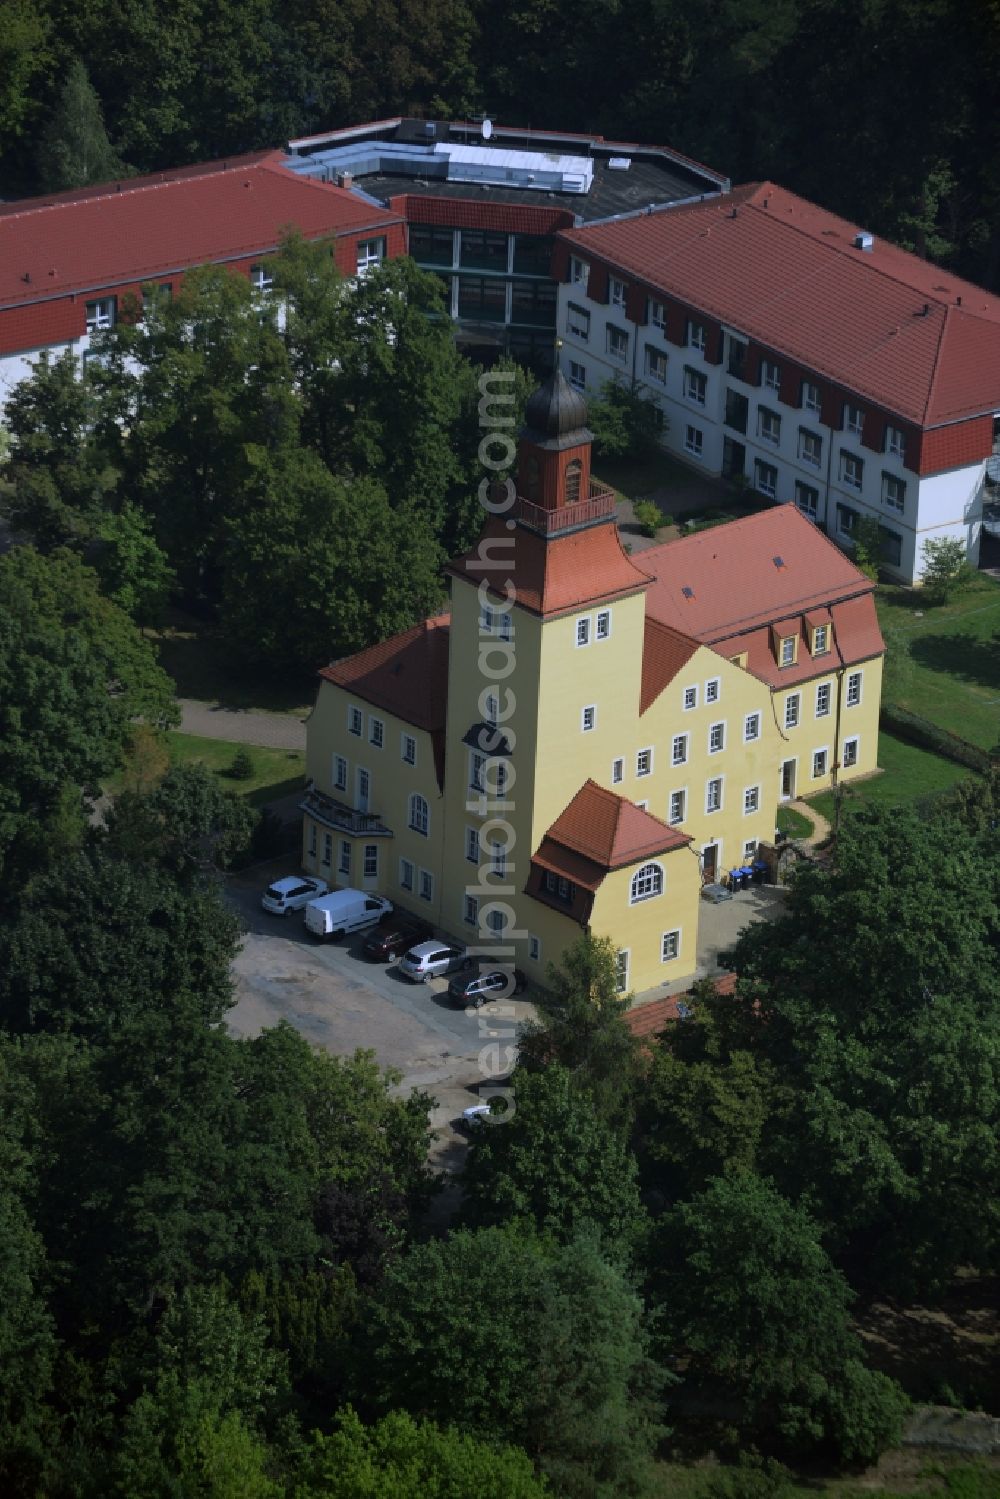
<point x="788" y="644"/>
<point x="821" y="640"/>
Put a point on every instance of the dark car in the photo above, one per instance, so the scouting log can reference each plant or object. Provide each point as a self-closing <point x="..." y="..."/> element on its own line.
<point x="394" y="937"/>
<point x="477" y="988"/>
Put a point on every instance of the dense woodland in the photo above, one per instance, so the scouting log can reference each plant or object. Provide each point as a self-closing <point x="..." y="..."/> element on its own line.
<point x="222" y="1275"/>
<point x="883" y="110"/>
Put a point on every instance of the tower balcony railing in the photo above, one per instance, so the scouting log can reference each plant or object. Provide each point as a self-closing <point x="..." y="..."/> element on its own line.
<point x="598" y="506"/>
<point x="334" y="814"/>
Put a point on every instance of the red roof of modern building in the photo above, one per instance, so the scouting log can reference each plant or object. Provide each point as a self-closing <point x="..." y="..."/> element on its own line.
<point x="748" y="572"/>
<point x="900" y="331"/>
<point x="610" y="831"/>
<point x="406" y="675"/>
<point x="556" y="574"/>
<point x="144" y="227"/>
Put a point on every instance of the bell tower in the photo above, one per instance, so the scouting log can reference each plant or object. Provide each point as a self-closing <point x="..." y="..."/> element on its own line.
<point x="554" y="445"/>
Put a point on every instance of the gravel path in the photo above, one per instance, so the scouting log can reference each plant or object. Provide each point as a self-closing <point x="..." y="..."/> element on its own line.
<point x="821" y="826"/>
<point x="268" y="730"/>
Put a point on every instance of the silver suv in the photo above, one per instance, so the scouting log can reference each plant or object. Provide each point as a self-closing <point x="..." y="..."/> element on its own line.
<point x="429" y="960"/>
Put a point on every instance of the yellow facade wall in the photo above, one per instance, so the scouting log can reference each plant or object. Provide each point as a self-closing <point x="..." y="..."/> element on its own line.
<point x="638" y="929"/>
<point x="826" y="733"/>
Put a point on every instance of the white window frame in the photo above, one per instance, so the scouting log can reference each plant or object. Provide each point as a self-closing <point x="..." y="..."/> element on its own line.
<point x="694" y="335"/>
<point x="408" y="749"/>
<point x="616" y="343"/>
<point x="821" y="640"/>
<point x="369" y="861"/>
<point x="671" y="819"/>
<point x="417" y="821"/>
<point x="689" y="698"/>
<point x="617" y="771"/>
<point x="769" y="426"/>
<point x="895" y="442"/>
<point x="407" y="874"/>
<point x="824" y="704"/>
<point x="793" y="710"/>
<point x="376" y="732"/>
<point x="718" y="781"/>
<point x="472" y="845"/>
<point x="825" y="752"/>
<point x="578" y="375"/>
<point x="101" y="314"/>
<point x="717" y="731"/>
<point x="682" y="741"/>
<point x="852" y="471"/>
<point x="341" y="773"/>
<point x="644" y="757"/>
<point x="810" y="448"/>
<point x="695" y="386"/>
<point x="579" y="271"/>
<point x="470" y="911"/>
<point x="656" y="365"/>
<point x="713" y="689"/>
<point x="755" y="719"/>
<point x="371" y="252"/>
<point x="617" y="291"/>
<point x="749" y="850"/>
<point x="853" y="419"/>
<point x="811" y="399"/>
<point x="765" y="478"/>
<point x="852" y="695"/>
<point x="770" y="374"/>
<point x="894" y="493"/>
<point x="425" y="885"/>
<point x="694" y="441"/>
<point x="602" y="625"/>
<point x="588" y="718"/>
<point x="658" y="315"/>
<point x="751" y="800"/>
<point x="853" y="742"/>
<point x="355" y="721"/>
<point x="670" y="945"/>
<point x="623" y="960"/>
<point x="344" y="857"/>
<point x="787" y="650"/>
<point x="583" y="630"/>
<point x="807" y="499"/>
<point x="578" y="322"/>
<point x="262" y="277"/>
<point x="534" y="948"/>
<point x="327" y="859"/>
<point x="648" y="883"/>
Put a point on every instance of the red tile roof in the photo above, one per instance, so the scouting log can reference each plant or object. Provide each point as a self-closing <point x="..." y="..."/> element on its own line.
<point x="553" y="575"/>
<point x="610" y="831"/>
<point x="899" y="331"/>
<point x="146" y="227"/>
<point x="406" y="675"/>
<point x="764" y="567"/>
<point x="652" y="1018"/>
<point x="664" y="653"/>
<point x="856" y="638"/>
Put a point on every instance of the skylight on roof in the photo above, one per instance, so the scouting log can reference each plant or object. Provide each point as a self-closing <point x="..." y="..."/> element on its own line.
<point x="688" y="593"/>
<point x="778" y="561"/>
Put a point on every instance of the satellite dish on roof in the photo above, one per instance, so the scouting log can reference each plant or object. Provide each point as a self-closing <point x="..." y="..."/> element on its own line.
<point x="487" y="129"/>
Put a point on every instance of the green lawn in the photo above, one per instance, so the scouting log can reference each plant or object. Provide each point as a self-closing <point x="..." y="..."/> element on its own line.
<point x="793" y="823"/>
<point x="945" y="663"/>
<point x="191" y="652"/>
<point x="910" y="773"/>
<point x="903" y="1473"/>
<point x="276" y="772"/>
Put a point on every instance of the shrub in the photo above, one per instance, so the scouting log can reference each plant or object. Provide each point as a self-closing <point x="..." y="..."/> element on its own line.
<point x="649" y="517"/>
<point x="945" y="568"/>
<point x="242" y="768"/>
<point x="625" y="423"/>
<point x="867" y="540"/>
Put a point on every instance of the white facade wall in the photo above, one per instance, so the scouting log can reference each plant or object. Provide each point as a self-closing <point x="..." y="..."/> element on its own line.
<point x="17" y="367"/>
<point x="947" y="504"/>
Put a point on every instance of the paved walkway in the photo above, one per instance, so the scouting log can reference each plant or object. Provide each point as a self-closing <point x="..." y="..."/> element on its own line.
<point x="821" y="826"/>
<point x="268" y="730"/>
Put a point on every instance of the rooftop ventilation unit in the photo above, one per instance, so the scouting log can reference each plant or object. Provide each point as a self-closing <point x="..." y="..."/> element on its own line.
<point x="619" y="163"/>
<point x="863" y="240"/>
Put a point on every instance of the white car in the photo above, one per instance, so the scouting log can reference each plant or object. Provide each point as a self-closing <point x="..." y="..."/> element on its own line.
<point x="292" y="893"/>
<point x="429" y="960"/>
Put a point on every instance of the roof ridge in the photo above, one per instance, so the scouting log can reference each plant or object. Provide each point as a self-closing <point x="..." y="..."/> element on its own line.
<point x="119" y="187"/>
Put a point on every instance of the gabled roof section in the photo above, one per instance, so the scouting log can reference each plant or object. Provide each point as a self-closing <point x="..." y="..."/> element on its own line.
<point x="610" y="832"/>
<point x="555" y="574"/>
<point x="406" y="675"/>
<point x="730" y="578"/>
<point x="665" y="652"/>
<point x="900" y="331"/>
<point x="118" y="233"/>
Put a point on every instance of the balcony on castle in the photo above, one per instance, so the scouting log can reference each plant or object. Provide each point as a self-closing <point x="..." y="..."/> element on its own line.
<point x="344" y="819"/>
<point x="598" y="506"/>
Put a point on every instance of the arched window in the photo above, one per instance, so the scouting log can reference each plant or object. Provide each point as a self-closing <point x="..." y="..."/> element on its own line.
<point x="574" y="472"/>
<point x="420" y="817"/>
<point x="531" y="480"/>
<point x="647" y="882"/>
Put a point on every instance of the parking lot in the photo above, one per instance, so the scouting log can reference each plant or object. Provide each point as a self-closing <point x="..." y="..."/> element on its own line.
<point x="338" y="1000"/>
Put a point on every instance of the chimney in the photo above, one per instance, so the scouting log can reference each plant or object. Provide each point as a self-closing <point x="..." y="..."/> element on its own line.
<point x="863" y="240"/>
<point x="345" y="179"/>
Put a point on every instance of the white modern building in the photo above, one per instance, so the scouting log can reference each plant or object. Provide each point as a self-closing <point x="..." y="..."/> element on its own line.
<point x="787" y="346"/>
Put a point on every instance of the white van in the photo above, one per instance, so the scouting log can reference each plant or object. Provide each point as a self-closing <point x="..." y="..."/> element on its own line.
<point x="345" y="911"/>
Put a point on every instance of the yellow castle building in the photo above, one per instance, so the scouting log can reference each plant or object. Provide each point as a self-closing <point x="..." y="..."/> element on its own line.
<point x="586" y="738"/>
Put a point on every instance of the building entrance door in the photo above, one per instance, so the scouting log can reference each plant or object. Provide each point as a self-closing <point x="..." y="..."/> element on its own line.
<point x="710" y="863"/>
<point x="787" y="780"/>
<point x="364" y="787"/>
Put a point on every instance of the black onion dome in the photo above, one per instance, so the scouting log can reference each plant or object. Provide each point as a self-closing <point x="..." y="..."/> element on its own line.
<point x="556" y="409"/>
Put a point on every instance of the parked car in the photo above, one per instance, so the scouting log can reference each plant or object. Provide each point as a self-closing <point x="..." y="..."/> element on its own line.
<point x="430" y="960"/>
<point x="292" y="893"/>
<point x="395" y="936"/>
<point x="474" y="988"/>
<point x="344" y="911"/>
<point x="472" y="1119"/>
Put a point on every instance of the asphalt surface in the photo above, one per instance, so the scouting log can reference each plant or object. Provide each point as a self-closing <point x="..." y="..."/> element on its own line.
<point x="270" y="730"/>
<point x="340" y="1001"/>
